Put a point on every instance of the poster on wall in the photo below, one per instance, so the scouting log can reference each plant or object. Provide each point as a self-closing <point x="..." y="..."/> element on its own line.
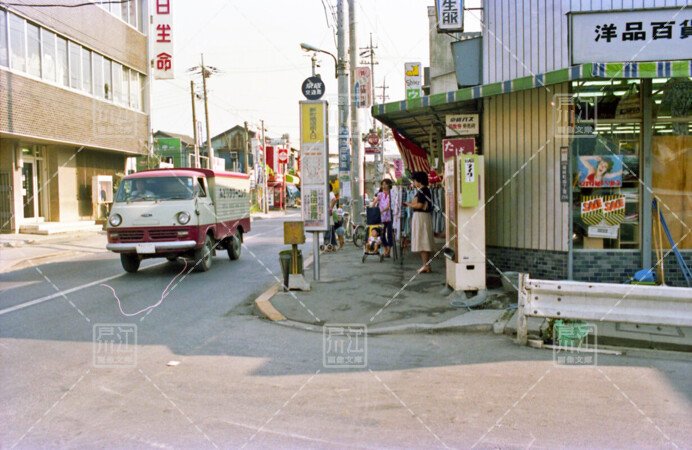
<point x="600" y="171"/>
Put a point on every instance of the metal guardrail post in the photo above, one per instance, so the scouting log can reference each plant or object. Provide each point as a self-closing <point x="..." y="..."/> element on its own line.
<point x="522" y="326"/>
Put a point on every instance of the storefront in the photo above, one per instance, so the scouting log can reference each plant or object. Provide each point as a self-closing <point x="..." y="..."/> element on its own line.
<point x="571" y="158"/>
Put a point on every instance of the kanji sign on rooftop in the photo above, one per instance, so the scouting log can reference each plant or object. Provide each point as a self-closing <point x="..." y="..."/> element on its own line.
<point x="162" y="40"/>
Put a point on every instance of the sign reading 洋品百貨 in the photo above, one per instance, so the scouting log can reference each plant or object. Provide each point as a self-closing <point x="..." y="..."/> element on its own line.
<point x="162" y="36"/>
<point x="450" y="15"/>
<point x="630" y="36"/>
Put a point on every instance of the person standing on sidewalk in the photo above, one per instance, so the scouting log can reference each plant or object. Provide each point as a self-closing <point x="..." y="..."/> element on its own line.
<point x="330" y="235"/>
<point x="421" y="223"/>
<point x="383" y="199"/>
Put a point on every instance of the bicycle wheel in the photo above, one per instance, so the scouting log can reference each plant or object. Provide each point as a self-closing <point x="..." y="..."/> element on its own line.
<point x="348" y="231"/>
<point x="359" y="236"/>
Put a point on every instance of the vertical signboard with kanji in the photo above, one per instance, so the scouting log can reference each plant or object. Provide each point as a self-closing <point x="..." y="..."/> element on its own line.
<point x="314" y="152"/>
<point x="362" y="87"/>
<point x="414" y="80"/>
<point x="162" y="40"/>
<point x="450" y="15"/>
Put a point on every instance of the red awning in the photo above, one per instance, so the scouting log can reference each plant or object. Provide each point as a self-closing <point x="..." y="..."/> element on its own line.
<point x="415" y="158"/>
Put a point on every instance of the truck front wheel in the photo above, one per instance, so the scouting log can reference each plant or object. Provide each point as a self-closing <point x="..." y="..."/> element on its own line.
<point x="130" y="262"/>
<point x="234" y="245"/>
<point x="203" y="256"/>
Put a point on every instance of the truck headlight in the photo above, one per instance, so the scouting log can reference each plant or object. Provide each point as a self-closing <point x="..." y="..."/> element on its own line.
<point x="115" y="220"/>
<point x="183" y="217"/>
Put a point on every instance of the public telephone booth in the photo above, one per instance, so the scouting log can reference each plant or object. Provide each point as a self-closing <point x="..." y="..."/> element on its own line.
<point x="465" y="222"/>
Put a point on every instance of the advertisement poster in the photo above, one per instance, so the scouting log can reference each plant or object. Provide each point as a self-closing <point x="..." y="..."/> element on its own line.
<point x="363" y="96"/>
<point x="600" y="171"/>
<point x="314" y="151"/>
<point x="414" y="80"/>
<point x="312" y="118"/>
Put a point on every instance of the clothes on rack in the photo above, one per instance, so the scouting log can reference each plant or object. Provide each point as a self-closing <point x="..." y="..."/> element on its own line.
<point x="438" y="206"/>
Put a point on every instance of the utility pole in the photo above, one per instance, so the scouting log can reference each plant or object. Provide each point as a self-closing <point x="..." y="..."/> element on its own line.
<point x="247" y="159"/>
<point x="357" y="159"/>
<point x="342" y="81"/>
<point x="370" y="52"/>
<point x="265" y="185"/>
<point x="384" y="98"/>
<point x="194" y="123"/>
<point x="206" y="112"/>
<point x="314" y="63"/>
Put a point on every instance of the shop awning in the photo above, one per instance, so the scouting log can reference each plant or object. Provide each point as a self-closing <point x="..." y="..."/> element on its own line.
<point x="414" y="157"/>
<point x="417" y="118"/>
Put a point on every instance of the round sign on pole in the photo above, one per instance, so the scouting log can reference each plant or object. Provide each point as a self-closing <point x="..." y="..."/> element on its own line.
<point x="373" y="139"/>
<point x="313" y="88"/>
<point x="283" y="155"/>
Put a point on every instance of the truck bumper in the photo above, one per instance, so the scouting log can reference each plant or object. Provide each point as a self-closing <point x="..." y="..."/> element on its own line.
<point x="160" y="246"/>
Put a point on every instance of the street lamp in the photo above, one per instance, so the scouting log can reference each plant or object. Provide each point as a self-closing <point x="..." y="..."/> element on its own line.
<point x="312" y="48"/>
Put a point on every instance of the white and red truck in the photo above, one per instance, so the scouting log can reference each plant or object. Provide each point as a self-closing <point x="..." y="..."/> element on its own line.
<point x="175" y="213"/>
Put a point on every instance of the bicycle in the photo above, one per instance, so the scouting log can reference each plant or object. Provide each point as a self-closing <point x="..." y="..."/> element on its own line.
<point x="352" y="230"/>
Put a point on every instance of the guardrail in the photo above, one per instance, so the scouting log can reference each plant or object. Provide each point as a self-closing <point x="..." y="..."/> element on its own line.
<point x="629" y="303"/>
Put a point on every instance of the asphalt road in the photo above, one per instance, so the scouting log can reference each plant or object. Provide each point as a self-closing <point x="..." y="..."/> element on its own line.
<point x="244" y="382"/>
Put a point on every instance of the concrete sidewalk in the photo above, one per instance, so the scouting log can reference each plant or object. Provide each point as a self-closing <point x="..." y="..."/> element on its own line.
<point x="391" y="298"/>
<point x="385" y="296"/>
<point x="19" y="251"/>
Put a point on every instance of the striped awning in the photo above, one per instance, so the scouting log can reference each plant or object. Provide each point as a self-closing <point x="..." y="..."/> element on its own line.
<point x="591" y="71"/>
<point x="415" y="158"/>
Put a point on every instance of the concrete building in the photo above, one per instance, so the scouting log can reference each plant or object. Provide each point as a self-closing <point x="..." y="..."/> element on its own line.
<point x="565" y="85"/>
<point x="73" y="105"/>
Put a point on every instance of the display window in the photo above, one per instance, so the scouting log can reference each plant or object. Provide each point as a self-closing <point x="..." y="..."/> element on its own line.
<point x="606" y="160"/>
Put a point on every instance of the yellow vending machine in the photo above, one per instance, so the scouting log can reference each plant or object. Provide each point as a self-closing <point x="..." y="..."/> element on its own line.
<point x="464" y="186"/>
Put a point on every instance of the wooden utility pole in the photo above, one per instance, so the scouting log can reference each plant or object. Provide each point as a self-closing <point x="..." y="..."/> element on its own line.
<point x="194" y="123"/>
<point x="206" y="74"/>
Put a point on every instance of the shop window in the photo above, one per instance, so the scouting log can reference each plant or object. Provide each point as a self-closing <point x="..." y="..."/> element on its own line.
<point x="75" y="65"/>
<point x="86" y="70"/>
<point x="62" y="74"/>
<point x="33" y="50"/>
<point x="4" y="51"/>
<point x="48" y="52"/>
<point x="672" y="161"/>
<point x="606" y="150"/>
<point x="18" y="43"/>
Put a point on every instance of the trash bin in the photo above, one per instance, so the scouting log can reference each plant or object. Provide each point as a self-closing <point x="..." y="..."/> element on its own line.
<point x="285" y="258"/>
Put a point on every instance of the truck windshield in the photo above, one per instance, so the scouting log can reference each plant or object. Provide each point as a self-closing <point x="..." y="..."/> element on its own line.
<point x="156" y="188"/>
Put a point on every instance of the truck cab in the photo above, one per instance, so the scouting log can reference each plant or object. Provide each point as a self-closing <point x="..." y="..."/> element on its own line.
<point x="174" y="213"/>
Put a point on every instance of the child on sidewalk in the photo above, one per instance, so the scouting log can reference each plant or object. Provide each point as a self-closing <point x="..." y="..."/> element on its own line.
<point x="374" y="241"/>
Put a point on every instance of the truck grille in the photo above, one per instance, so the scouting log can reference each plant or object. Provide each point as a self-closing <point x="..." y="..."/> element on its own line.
<point x="131" y="235"/>
<point x="164" y="234"/>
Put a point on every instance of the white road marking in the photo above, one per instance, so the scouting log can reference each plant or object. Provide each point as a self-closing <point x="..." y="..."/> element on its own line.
<point x="93" y="283"/>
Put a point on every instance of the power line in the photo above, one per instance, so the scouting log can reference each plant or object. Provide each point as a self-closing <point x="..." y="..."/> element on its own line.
<point x="62" y="5"/>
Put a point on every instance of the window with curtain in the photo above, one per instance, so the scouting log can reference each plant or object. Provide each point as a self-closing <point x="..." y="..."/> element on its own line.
<point x="107" y="79"/>
<point x="17" y="43"/>
<point x="4" y="51"/>
<point x="33" y="50"/>
<point x="134" y="89"/>
<point x="48" y="52"/>
<point x="62" y="73"/>
<point x="117" y="75"/>
<point x="86" y="70"/>
<point x="75" y="65"/>
<point x="99" y="90"/>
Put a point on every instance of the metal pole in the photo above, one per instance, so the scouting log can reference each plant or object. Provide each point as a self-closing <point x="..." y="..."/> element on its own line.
<point x="194" y="122"/>
<point x="314" y="63"/>
<point x="646" y="214"/>
<point x="206" y="114"/>
<point x="316" y="254"/>
<point x="357" y="159"/>
<point x="342" y="81"/>
<point x="264" y="168"/>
